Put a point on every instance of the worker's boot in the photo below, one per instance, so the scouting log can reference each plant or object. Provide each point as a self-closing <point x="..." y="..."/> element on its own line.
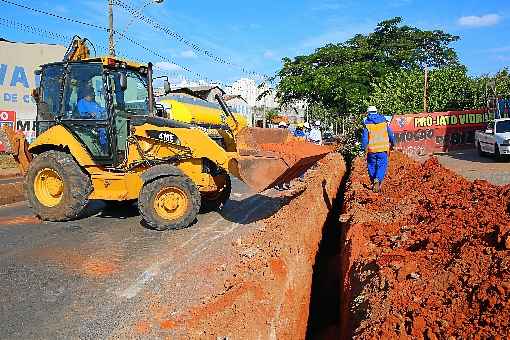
<point x="377" y="185"/>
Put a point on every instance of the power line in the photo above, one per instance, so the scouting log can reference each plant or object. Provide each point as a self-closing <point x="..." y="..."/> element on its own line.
<point x="64" y="39"/>
<point x="134" y="42"/>
<point x="194" y="46"/>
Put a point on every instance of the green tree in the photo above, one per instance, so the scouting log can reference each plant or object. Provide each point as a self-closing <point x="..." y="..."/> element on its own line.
<point x="341" y="77"/>
<point x="450" y="88"/>
<point x="399" y="92"/>
<point x="270" y="114"/>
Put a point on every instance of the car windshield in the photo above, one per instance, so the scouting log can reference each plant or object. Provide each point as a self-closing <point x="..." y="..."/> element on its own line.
<point x="134" y="99"/>
<point x="503" y="126"/>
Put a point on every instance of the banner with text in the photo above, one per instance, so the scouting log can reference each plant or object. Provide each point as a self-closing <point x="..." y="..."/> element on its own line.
<point x="17" y="64"/>
<point x="425" y="133"/>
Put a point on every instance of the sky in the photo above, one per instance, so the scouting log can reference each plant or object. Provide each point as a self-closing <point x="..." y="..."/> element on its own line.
<point x="226" y="40"/>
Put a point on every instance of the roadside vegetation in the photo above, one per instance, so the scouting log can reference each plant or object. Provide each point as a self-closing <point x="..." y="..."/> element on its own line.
<point x="385" y="68"/>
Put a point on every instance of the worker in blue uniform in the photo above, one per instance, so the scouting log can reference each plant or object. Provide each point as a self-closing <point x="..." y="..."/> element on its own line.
<point x="376" y="141"/>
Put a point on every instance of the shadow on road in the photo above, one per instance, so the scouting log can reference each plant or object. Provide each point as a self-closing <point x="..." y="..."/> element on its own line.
<point x="113" y="209"/>
<point x="256" y="207"/>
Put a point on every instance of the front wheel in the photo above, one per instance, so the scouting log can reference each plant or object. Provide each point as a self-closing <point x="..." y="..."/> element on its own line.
<point x="481" y="153"/>
<point x="170" y="202"/>
<point x="497" y="154"/>
<point x="56" y="187"/>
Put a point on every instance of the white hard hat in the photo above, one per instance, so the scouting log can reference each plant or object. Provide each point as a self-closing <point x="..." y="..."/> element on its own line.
<point x="307" y="125"/>
<point x="317" y="122"/>
<point x="372" y="109"/>
<point x="282" y="124"/>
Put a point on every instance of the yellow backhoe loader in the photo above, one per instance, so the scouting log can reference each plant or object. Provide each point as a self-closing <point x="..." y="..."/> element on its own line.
<point x="101" y="136"/>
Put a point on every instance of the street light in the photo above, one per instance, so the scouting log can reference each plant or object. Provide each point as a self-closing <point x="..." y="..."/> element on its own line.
<point x="111" y="31"/>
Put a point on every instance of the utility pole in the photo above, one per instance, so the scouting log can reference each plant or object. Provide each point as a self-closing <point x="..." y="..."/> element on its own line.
<point x="426" y="89"/>
<point x="111" y="38"/>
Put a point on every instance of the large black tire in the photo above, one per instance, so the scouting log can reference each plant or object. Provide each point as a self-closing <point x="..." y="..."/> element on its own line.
<point x="497" y="154"/>
<point x="148" y="200"/>
<point x="77" y="186"/>
<point x="481" y="153"/>
<point x="216" y="201"/>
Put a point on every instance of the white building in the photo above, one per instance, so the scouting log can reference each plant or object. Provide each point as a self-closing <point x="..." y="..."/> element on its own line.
<point x="250" y="91"/>
<point x="240" y="105"/>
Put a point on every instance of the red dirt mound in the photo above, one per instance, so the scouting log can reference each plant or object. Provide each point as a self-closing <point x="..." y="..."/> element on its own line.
<point x="428" y="258"/>
<point x="294" y="150"/>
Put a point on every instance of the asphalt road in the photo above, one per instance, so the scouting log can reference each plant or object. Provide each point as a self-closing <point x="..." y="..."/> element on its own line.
<point x="470" y="165"/>
<point x="88" y="278"/>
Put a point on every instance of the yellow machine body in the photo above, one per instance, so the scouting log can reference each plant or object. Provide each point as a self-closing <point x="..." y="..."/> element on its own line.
<point x="194" y="147"/>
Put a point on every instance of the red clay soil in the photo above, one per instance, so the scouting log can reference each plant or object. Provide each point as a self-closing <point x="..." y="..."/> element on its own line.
<point x="258" y="286"/>
<point x="427" y="259"/>
<point x="12" y="192"/>
<point x="295" y="150"/>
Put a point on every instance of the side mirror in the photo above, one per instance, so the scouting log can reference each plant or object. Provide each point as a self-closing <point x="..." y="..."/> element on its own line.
<point x="167" y="87"/>
<point x="36" y="94"/>
<point x="123" y="81"/>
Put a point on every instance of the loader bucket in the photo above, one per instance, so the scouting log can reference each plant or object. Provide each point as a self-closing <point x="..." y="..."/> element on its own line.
<point x="268" y="157"/>
<point x="14" y="143"/>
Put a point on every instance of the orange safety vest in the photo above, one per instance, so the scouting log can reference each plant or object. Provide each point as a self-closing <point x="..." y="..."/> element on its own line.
<point x="378" y="139"/>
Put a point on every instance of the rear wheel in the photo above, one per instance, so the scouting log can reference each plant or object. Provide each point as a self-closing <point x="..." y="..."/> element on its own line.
<point x="215" y="201"/>
<point x="170" y="202"/>
<point x="56" y="187"/>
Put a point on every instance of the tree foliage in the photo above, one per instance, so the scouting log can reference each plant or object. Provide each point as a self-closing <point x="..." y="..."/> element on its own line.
<point x="450" y="88"/>
<point x="341" y="77"/>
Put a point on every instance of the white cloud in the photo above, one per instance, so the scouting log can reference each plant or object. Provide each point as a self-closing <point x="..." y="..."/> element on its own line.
<point x="166" y="66"/>
<point x="188" y="54"/>
<point x="479" y="21"/>
<point x="500" y="49"/>
<point x="269" y="54"/>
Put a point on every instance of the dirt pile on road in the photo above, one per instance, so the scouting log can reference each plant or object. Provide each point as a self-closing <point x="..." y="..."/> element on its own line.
<point x="258" y="286"/>
<point x="295" y="150"/>
<point x="429" y="258"/>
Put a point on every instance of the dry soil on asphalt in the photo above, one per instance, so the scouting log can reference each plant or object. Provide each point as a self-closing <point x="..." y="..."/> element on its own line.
<point x="87" y="278"/>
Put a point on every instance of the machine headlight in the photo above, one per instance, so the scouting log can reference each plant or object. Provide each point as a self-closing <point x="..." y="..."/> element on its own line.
<point x="507" y="141"/>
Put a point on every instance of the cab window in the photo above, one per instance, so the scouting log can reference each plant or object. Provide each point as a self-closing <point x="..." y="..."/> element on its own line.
<point x="84" y="94"/>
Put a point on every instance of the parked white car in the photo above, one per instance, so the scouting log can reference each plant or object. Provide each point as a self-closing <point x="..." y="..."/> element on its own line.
<point x="495" y="140"/>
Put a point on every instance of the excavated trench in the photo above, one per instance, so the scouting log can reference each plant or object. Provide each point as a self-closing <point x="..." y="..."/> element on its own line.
<point x="428" y="259"/>
<point x="324" y="318"/>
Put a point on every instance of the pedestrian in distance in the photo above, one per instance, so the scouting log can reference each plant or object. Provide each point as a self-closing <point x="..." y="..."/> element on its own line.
<point x="315" y="133"/>
<point x="376" y="141"/>
<point x="307" y="128"/>
<point x="299" y="131"/>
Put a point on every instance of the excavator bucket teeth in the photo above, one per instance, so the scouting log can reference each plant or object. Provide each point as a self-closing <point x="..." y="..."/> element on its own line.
<point x="268" y="157"/>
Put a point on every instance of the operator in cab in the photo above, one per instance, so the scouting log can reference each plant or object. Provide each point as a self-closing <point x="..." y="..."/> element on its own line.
<point x="376" y="141"/>
<point x="88" y="107"/>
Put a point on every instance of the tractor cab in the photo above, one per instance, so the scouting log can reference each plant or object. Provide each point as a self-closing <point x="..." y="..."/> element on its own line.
<point x="94" y="99"/>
